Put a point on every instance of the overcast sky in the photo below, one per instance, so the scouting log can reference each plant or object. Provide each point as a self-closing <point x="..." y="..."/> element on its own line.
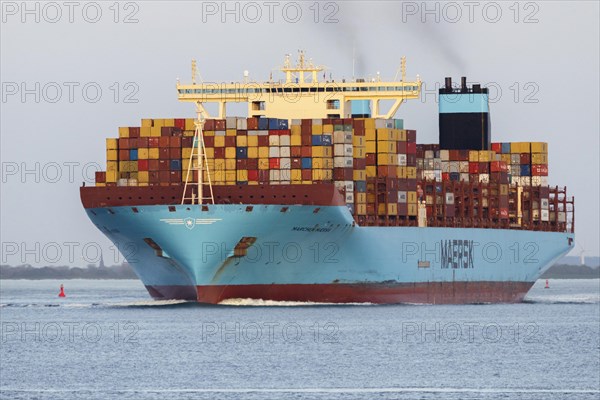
<point x="539" y="58"/>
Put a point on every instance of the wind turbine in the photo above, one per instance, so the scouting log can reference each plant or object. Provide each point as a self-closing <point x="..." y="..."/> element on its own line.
<point x="582" y="254"/>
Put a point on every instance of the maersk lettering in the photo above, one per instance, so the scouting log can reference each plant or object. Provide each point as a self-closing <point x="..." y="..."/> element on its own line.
<point x="310" y="229"/>
<point x="457" y="254"/>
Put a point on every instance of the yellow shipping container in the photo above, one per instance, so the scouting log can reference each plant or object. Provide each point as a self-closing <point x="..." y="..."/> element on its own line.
<point x="158" y="123"/>
<point x="112" y="144"/>
<point x="219" y="176"/>
<point x="143" y="176"/>
<point x="219" y="164"/>
<point x="190" y="124"/>
<point x="189" y="133"/>
<point x="112" y="155"/>
<point x="361" y="209"/>
<point x="242" y="175"/>
<point x="392" y="209"/>
<point x="296" y="130"/>
<point x="322" y="174"/>
<point x="371" y="197"/>
<point x="411" y="197"/>
<point x="219" y="141"/>
<point x="402" y="135"/>
<point x="263" y="163"/>
<point x="327" y="128"/>
<point x="252" y="141"/>
<point x="384" y="134"/>
<point x="317" y="130"/>
<point x="361" y="198"/>
<point x="539" y="158"/>
<point x="358" y="141"/>
<point x="186" y="152"/>
<point x="123" y="132"/>
<point x="520" y="147"/>
<point x="99" y="184"/>
<point x="369" y="123"/>
<point x="230" y="164"/>
<point x="321" y="151"/>
<point x="230" y="132"/>
<point x="296" y="140"/>
<point x="253" y="183"/>
<point x="370" y="134"/>
<point x="145" y="131"/>
<point x="359" y="175"/>
<point x="412" y="210"/>
<point x="386" y="159"/>
<point x="359" y="152"/>
<point x="112" y="166"/>
<point x="153" y="153"/>
<point x="169" y="122"/>
<point x="111" y="176"/>
<point x="241" y="141"/>
<point x="505" y="158"/>
<point x="155" y="131"/>
<point x="371" y="147"/>
<point x="146" y="123"/>
<point x="143" y="154"/>
<point x="402" y="173"/>
<point x="296" y="175"/>
<point x="263" y="152"/>
<point x="539" y="147"/>
<point x="411" y="172"/>
<point x="484" y="156"/>
<point x="473" y="156"/>
<point x="252" y="152"/>
<point x="206" y="133"/>
<point x="230" y="176"/>
<point x="144" y="184"/>
<point x="386" y="146"/>
<point x="371" y="171"/>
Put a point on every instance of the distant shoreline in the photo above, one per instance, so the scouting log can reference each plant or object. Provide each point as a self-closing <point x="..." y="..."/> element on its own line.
<point x="559" y="271"/>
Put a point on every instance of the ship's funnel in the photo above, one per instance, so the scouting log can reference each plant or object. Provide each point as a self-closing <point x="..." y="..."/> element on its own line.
<point x="464" y="117"/>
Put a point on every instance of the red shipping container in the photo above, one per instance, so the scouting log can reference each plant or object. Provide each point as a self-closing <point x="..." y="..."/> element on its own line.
<point x="219" y="125"/>
<point x="229" y="141"/>
<point x="123" y="155"/>
<point x="525" y="159"/>
<point x="274" y="163"/>
<point x="445" y="176"/>
<point x="411" y="136"/>
<point x="189" y="141"/>
<point x="100" y="176"/>
<point x="306" y="122"/>
<point x="123" y="143"/>
<point x="498" y="166"/>
<point x="153" y="142"/>
<point x="134" y="132"/>
<point x="387" y="171"/>
<point x="306" y="140"/>
<point x="174" y="176"/>
<point x="166" y="131"/>
<point x="219" y="152"/>
<point x="143" y="142"/>
<point x="484" y="168"/>
<point x="358" y="124"/>
<point x="209" y="125"/>
<point x="474" y="178"/>
<point x="411" y="147"/>
<point x="359" y="163"/>
<point x="180" y="123"/>
<point x="497" y="147"/>
<point x="263" y="176"/>
<point x="163" y="141"/>
<point x="473" y="167"/>
<point x="306" y="174"/>
<point x="401" y="147"/>
<point x="342" y="174"/>
<point x="242" y="164"/>
<point x="371" y="159"/>
<point x="504" y="213"/>
<point x="296" y="151"/>
<point x="164" y="165"/>
<point x="163" y="153"/>
<point x="252" y="123"/>
<point x="305" y="130"/>
<point x="306" y="151"/>
<point x="253" y="175"/>
<point x="338" y="121"/>
<point x="463" y="155"/>
<point x="453" y="155"/>
<point x="252" y="163"/>
<point x="209" y="142"/>
<point x="143" y="165"/>
<point x="242" y="132"/>
<point x="263" y="140"/>
<point x="133" y="143"/>
<point x="539" y="170"/>
<point x="175" y="141"/>
<point x="411" y="160"/>
<point x="175" y="153"/>
<point x="153" y="165"/>
<point x="164" y="176"/>
<point x="154" y="176"/>
<point x="296" y="163"/>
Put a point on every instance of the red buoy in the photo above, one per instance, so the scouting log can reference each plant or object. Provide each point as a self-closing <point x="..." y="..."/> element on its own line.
<point x="62" y="291"/>
<point x="547" y="285"/>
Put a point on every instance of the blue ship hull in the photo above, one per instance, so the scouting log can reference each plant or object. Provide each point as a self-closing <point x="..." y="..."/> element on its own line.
<point x="305" y="253"/>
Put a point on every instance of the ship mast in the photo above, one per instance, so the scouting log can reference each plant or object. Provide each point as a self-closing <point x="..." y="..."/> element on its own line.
<point x="198" y="161"/>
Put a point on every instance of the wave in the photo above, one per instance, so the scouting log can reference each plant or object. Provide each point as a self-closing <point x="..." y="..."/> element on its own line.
<point x="239" y="302"/>
<point x="584" y="298"/>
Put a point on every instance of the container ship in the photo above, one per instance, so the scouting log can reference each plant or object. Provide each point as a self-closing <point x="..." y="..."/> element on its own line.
<point x="320" y="195"/>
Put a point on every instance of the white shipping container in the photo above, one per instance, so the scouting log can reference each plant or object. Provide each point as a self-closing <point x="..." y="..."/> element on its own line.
<point x="429" y="175"/>
<point x="349" y="197"/>
<point x="284" y="151"/>
<point x="383" y="123"/>
<point x="545" y="204"/>
<point x="342" y="162"/>
<point x="464" y="177"/>
<point x="219" y="133"/>
<point x="284" y="140"/>
<point x="449" y="198"/>
<point x="263" y="133"/>
<point x="463" y="167"/>
<point x="562" y="216"/>
<point x="242" y="124"/>
<point x="273" y="151"/>
<point x="525" y="181"/>
<point x="274" y="140"/>
<point x="338" y="137"/>
<point x="454" y="167"/>
<point x="274" y="175"/>
<point x="317" y="121"/>
<point x="230" y="122"/>
<point x="253" y="132"/>
<point x="348" y="150"/>
<point x="402" y="160"/>
<point x="297" y="122"/>
<point x="536" y="181"/>
<point x="545" y="215"/>
<point x="445" y="155"/>
<point x="438" y="175"/>
<point x="428" y="154"/>
<point x="484" y="178"/>
<point x="402" y="197"/>
<point x="515" y="158"/>
<point x="437" y="164"/>
<point x="544" y="180"/>
<point x="122" y="182"/>
<point x="285" y="163"/>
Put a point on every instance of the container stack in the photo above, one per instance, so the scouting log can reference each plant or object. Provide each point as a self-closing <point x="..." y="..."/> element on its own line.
<point x="527" y="161"/>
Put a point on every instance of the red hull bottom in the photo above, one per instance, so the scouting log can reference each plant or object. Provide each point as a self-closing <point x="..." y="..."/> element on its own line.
<point x="424" y="293"/>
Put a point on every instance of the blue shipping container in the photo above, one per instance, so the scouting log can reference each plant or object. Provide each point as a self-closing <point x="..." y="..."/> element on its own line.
<point x="133" y="154"/>
<point x="306" y="163"/>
